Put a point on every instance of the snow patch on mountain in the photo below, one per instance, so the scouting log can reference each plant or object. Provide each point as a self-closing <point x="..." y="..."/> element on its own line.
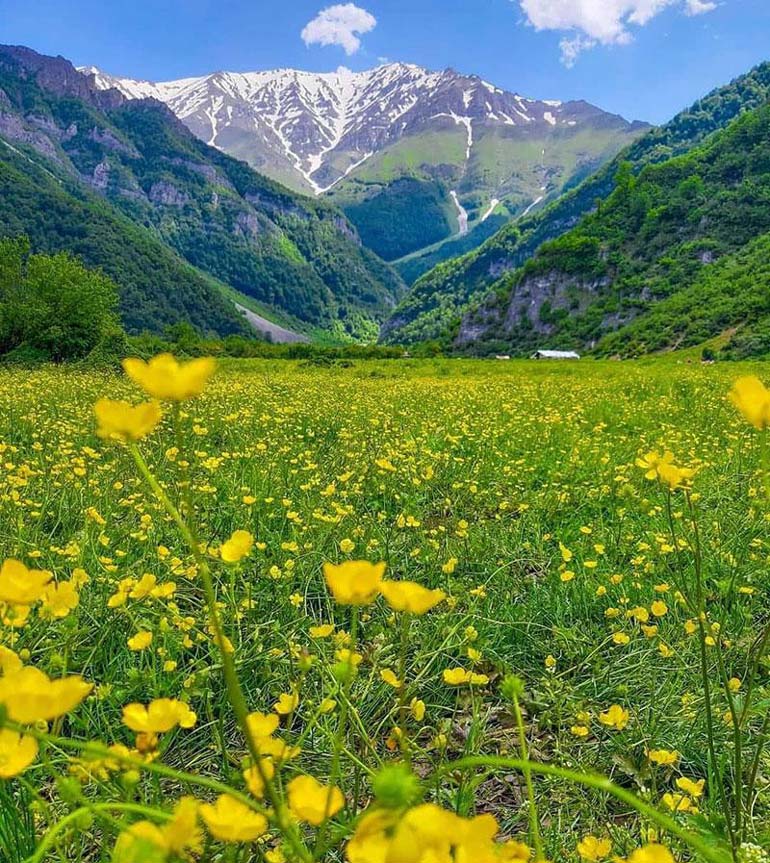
<point x="313" y="129"/>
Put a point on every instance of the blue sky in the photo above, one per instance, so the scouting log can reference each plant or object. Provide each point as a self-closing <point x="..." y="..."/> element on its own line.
<point x="644" y="59"/>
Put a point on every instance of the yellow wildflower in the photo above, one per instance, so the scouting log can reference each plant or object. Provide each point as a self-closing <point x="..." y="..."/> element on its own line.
<point x="694" y="789"/>
<point x="354" y="582"/>
<point x="593" y="849"/>
<point x="237" y="547"/>
<point x="652" y="853"/>
<point x="163" y="377"/>
<point x="460" y="677"/>
<point x="121" y="421"/>
<point x="30" y="696"/>
<point x="286" y="704"/>
<point x="752" y="399"/>
<point x="141" y="641"/>
<point x="230" y="820"/>
<point x="615" y="717"/>
<point x="159" y="716"/>
<point x="410" y="597"/>
<point x="311" y="802"/>
<point x="22" y="586"/>
<point x="663" y="756"/>
<point x="17" y="752"/>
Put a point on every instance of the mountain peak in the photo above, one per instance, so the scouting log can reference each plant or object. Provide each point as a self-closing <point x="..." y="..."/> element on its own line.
<point x="312" y="130"/>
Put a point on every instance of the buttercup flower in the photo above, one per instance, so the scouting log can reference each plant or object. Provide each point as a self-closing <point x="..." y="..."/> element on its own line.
<point x="615" y="717"/>
<point x="752" y="399"/>
<point x="663" y="756"/>
<point x="652" y="853"/>
<point x="593" y="849"/>
<point x="410" y="596"/>
<point x="17" y="752"/>
<point x="232" y="821"/>
<point x="312" y="802"/>
<point x="30" y="696"/>
<point x="121" y="421"/>
<point x="22" y="586"/>
<point x="164" y="378"/>
<point x="461" y="677"/>
<point x="159" y="716"/>
<point x="355" y="582"/>
<point x="140" y="641"/>
<point x="237" y="547"/>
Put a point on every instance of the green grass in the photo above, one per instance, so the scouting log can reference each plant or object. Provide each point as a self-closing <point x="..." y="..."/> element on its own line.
<point x="494" y="466"/>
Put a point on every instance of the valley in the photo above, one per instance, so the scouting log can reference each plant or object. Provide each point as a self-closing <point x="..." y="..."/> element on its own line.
<point x="468" y="145"/>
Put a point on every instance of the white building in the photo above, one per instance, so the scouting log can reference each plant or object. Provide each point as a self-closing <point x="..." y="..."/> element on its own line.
<point x="555" y="355"/>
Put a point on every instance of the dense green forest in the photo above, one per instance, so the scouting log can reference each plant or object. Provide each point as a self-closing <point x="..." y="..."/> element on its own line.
<point x="127" y="187"/>
<point x="403" y="216"/>
<point x="675" y="255"/>
<point x="436" y="302"/>
<point x="157" y="288"/>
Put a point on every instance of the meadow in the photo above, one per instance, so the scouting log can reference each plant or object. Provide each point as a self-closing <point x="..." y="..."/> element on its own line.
<point x="562" y="658"/>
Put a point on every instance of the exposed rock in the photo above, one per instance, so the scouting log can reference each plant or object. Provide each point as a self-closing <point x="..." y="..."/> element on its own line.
<point x="478" y="323"/>
<point x="107" y="139"/>
<point x="168" y="195"/>
<point x="559" y="290"/>
<point x="247" y="225"/>
<point x="101" y="176"/>
<point x="207" y="171"/>
<point x="344" y="227"/>
<point x="14" y="128"/>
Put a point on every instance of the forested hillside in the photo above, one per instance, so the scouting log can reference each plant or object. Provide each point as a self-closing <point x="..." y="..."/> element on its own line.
<point x="437" y="301"/>
<point x="187" y="217"/>
<point x="675" y="254"/>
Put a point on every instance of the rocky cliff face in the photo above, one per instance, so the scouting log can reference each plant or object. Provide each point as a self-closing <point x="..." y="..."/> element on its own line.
<point x="532" y="307"/>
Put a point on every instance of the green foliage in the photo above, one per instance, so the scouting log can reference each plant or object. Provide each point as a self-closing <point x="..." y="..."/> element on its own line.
<point x="174" y="220"/>
<point x="674" y="256"/>
<point x="157" y="288"/>
<point x="401" y="217"/>
<point x="437" y="300"/>
<point x="51" y="305"/>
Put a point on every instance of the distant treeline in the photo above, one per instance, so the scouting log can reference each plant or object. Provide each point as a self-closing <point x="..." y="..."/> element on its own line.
<point x="55" y="309"/>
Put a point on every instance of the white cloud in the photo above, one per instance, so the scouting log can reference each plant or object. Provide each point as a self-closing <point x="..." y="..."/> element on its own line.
<point x="342" y="25"/>
<point x="600" y="22"/>
<point x="698" y="7"/>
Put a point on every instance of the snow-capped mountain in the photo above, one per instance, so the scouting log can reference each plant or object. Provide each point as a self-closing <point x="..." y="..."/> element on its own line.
<point x="321" y="127"/>
<point x="414" y="157"/>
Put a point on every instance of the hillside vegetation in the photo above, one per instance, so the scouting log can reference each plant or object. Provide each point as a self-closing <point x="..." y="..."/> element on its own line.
<point x="436" y="302"/>
<point x="673" y="256"/>
<point x="169" y="198"/>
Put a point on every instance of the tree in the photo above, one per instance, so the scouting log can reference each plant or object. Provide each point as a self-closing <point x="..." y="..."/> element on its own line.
<point x="53" y="304"/>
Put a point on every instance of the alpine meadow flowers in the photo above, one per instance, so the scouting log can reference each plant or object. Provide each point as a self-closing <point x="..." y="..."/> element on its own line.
<point x="408" y="612"/>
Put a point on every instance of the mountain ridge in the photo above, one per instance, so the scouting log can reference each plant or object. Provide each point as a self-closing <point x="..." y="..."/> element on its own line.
<point x="478" y="153"/>
<point x="443" y="295"/>
<point x="352" y="94"/>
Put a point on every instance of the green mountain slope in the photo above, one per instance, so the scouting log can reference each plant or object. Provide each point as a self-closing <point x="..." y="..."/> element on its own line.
<point x="297" y="256"/>
<point x="508" y="169"/>
<point x="437" y="301"/>
<point x="157" y="287"/>
<point x="672" y="257"/>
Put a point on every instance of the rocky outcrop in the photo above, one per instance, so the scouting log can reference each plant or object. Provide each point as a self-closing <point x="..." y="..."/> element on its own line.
<point x="535" y="296"/>
<point x="165" y="193"/>
<point x="107" y="139"/>
<point x="247" y="225"/>
<point x="532" y="302"/>
<point x="13" y="128"/>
